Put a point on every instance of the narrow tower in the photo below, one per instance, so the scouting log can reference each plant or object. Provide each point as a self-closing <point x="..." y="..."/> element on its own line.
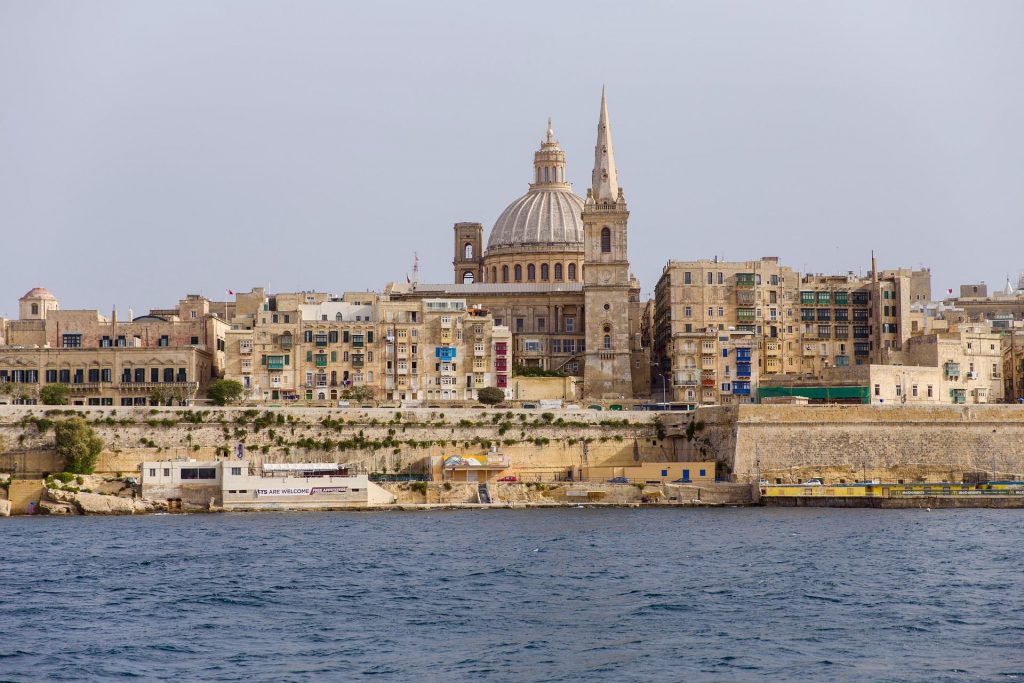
<point x="606" y="279"/>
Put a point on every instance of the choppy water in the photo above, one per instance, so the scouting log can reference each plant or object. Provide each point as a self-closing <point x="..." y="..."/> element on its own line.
<point x="533" y="595"/>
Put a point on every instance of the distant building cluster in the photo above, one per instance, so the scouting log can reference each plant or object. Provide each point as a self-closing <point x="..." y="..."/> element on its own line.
<point x="551" y="294"/>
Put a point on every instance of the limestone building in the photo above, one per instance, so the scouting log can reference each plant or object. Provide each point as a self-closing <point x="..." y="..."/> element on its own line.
<point x="315" y="348"/>
<point x="800" y="325"/>
<point x="555" y="271"/>
<point x="164" y="356"/>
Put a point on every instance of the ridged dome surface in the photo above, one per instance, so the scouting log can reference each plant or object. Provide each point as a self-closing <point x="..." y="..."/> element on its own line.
<point x="38" y="293"/>
<point x="541" y="216"/>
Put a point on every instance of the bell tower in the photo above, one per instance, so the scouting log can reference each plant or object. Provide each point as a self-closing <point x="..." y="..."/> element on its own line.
<point x="606" y="279"/>
<point x="468" y="260"/>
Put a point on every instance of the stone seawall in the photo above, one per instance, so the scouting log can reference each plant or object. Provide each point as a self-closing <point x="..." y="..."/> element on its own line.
<point x="937" y="443"/>
<point x="371" y="440"/>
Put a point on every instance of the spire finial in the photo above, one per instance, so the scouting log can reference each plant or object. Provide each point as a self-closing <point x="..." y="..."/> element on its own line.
<point x="551" y="132"/>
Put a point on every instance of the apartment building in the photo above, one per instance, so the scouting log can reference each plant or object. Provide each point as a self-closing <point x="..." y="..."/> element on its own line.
<point x="163" y="357"/>
<point x="800" y="325"/>
<point x="312" y="347"/>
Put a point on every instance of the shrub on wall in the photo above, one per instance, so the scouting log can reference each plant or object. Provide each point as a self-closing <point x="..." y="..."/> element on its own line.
<point x="77" y="445"/>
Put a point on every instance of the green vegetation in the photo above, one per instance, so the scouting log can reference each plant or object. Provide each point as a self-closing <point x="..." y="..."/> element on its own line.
<point x="359" y="393"/>
<point x="77" y="445"/>
<point x="523" y="371"/>
<point x="490" y="396"/>
<point x="54" y="394"/>
<point x="224" y="391"/>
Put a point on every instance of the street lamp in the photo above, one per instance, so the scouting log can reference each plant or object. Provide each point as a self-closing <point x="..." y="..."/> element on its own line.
<point x="664" y="401"/>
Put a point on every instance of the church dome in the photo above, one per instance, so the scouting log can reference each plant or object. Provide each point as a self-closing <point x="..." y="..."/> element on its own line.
<point x="547" y="215"/>
<point x="38" y="293"/>
<point x="540" y="217"/>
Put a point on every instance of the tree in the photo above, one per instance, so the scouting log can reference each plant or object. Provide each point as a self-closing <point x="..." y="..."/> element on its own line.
<point x="77" y="445"/>
<point x="358" y="393"/>
<point x="490" y="396"/>
<point x="55" y="394"/>
<point x="224" y="391"/>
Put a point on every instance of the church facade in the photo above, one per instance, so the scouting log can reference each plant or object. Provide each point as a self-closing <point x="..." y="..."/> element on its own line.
<point x="555" y="271"/>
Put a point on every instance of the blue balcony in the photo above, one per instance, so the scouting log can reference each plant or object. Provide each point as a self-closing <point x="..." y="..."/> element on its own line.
<point x="743" y="369"/>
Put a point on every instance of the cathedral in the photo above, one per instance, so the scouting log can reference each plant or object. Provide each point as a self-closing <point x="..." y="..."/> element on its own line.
<point x="556" y="272"/>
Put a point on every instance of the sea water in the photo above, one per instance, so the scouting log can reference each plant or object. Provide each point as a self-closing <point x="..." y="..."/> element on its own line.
<point x="729" y="594"/>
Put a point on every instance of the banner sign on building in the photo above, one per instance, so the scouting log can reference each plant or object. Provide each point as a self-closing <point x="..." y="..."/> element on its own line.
<point x="302" y="491"/>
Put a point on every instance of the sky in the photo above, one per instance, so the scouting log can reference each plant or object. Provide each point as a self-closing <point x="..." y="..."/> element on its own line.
<point x="149" y="150"/>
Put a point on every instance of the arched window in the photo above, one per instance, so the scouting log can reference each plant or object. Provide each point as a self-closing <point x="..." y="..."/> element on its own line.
<point x="538" y="175"/>
<point x="338" y="316"/>
<point x="572" y="272"/>
<point x="531" y="272"/>
<point x="494" y="274"/>
<point x="504" y="273"/>
<point x="467" y="277"/>
<point x="544" y="273"/>
<point x="467" y="251"/>
<point x="547" y="176"/>
<point x="607" y="341"/>
<point x="519" y="273"/>
<point x="606" y="240"/>
<point x="558" y="271"/>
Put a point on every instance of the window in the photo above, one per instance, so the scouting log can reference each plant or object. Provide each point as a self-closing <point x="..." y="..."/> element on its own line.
<point x="606" y="241"/>
<point x="878" y="390"/>
<point x="236" y="471"/>
<point x="721" y="311"/>
<point x="558" y="271"/>
<point x="929" y="391"/>
<point x="711" y="278"/>
<point x="686" y="278"/>
<point x="504" y="273"/>
<point x="687" y="311"/>
<point x="198" y="472"/>
<point x="572" y="272"/>
<point x="531" y="272"/>
<point x="467" y="251"/>
<point x="913" y="390"/>
<point x="35" y="309"/>
<point x="899" y="390"/>
<point x="541" y="323"/>
<point x="570" y="324"/>
<point x="607" y="341"/>
<point x="72" y="341"/>
<point x="520" y="324"/>
<point x="544" y="272"/>
<point x="518" y="270"/>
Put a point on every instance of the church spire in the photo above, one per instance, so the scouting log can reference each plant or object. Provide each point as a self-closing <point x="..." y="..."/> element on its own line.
<point x="605" y="185"/>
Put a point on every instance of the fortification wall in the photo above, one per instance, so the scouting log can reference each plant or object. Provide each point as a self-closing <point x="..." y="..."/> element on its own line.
<point x="371" y="440"/>
<point x="854" y="442"/>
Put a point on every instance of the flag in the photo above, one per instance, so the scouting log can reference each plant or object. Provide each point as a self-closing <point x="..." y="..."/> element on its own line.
<point x="407" y="279"/>
<point x="230" y="293"/>
<point x="949" y="291"/>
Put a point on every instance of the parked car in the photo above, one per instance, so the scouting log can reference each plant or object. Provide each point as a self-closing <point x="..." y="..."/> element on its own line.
<point x="814" y="481"/>
<point x="682" y="481"/>
<point x="763" y="482"/>
<point x="508" y="478"/>
<point x="619" y="480"/>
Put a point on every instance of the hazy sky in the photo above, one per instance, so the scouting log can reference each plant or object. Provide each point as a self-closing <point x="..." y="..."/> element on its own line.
<point x="154" y="149"/>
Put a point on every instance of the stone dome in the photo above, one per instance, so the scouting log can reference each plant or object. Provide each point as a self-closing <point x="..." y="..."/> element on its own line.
<point x="39" y="293"/>
<point x="546" y="216"/>
<point x="540" y="217"/>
